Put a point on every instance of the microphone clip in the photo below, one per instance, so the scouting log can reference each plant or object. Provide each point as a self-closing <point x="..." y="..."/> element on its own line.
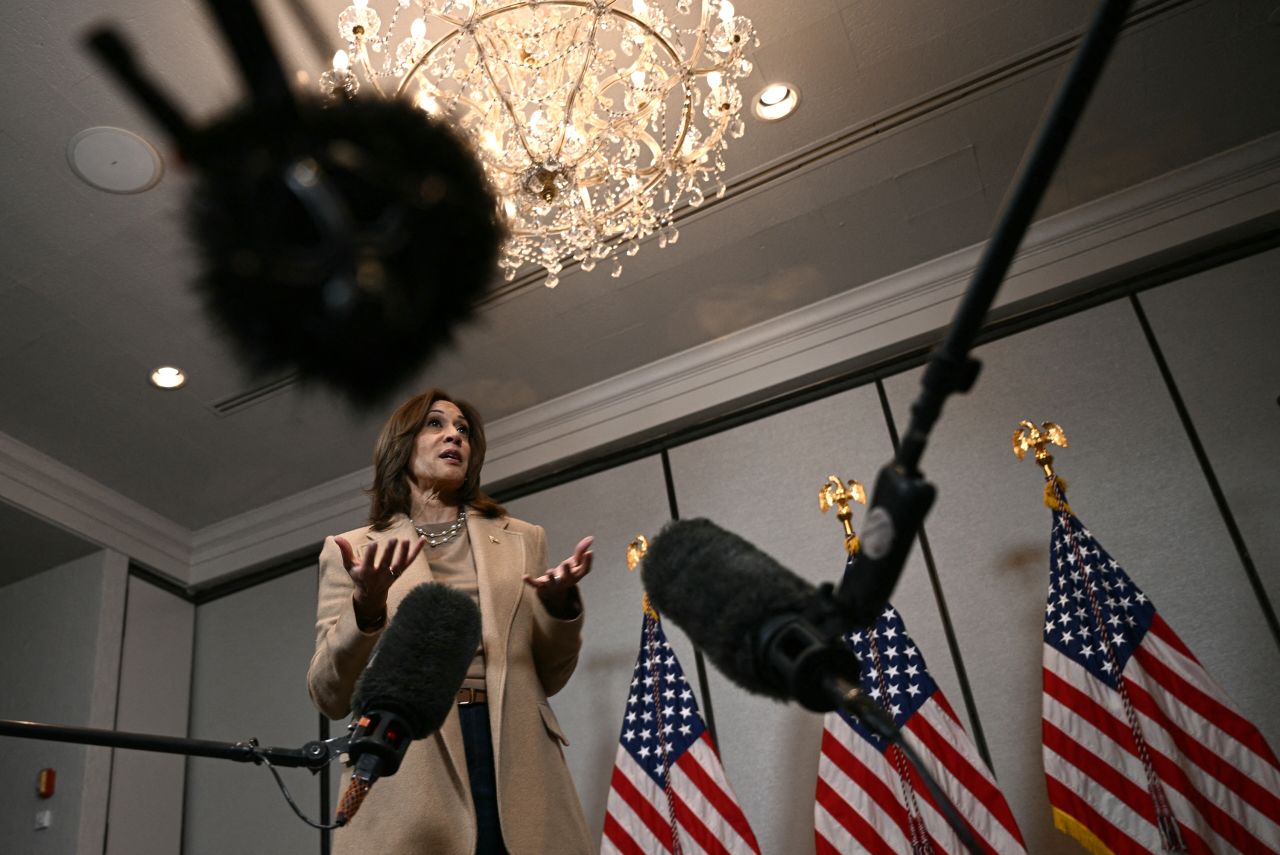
<point x="805" y="657"/>
<point x="376" y="743"/>
<point x="899" y="503"/>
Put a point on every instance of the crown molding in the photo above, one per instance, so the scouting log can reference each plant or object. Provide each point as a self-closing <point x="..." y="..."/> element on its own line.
<point x="58" y="494"/>
<point x="1199" y="200"/>
<point x="281" y="528"/>
<point x="826" y="337"/>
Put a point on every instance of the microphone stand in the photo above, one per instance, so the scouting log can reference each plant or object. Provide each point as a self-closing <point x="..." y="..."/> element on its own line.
<point x="805" y="653"/>
<point x="314" y="755"/>
<point x="902" y="497"/>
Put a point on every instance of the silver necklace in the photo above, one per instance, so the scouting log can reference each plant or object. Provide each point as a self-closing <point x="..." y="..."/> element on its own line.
<point x="442" y="536"/>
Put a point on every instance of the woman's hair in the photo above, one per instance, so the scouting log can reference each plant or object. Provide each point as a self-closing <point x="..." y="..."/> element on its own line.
<point x="390" y="491"/>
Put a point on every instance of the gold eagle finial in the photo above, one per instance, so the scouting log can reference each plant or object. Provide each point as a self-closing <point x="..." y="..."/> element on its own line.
<point x="1028" y="437"/>
<point x="635" y="551"/>
<point x="834" y="494"/>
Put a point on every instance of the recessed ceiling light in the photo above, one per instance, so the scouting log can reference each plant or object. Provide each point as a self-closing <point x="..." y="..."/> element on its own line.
<point x="114" y="160"/>
<point x="168" y="377"/>
<point x="776" y="101"/>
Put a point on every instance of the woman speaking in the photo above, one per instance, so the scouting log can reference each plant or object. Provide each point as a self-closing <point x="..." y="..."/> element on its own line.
<point x="493" y="778"/>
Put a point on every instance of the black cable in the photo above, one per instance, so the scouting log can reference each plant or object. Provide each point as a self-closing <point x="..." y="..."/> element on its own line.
<point x="261" y="758"/>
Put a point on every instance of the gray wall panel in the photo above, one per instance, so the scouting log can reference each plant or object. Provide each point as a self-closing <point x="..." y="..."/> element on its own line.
<point x="249" y="680"/>
<point x="145" y="816"/>
<point x="1217" y="331"/>
<point x="60" y="631"/>
<point x="761" y="481"/>
<point x="1134" y="482"/>
<point x="614" y="506"/>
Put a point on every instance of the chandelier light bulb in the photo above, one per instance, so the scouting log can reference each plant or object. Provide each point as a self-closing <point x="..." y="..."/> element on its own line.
<point x="341" y="62"/>
<point x="537" y="123"/>
<point x="595" y="120"/>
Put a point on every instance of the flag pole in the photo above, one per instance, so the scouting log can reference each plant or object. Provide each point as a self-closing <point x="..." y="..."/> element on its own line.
<point x="635" y="552"/>
<point x="1030" y="438"/>
<point x="858" y="704"/>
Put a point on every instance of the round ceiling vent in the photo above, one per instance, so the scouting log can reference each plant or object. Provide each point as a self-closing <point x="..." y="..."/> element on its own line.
<point x="114" y="160"/>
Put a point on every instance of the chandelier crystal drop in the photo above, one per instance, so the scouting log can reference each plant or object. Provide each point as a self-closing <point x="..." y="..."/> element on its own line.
<point x="594" y="119"/>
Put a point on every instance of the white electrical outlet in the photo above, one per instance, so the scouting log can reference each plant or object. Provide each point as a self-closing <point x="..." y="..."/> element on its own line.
<point x="44" y="819"/>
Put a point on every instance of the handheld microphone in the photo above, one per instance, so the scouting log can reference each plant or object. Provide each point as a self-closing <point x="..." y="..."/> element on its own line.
<point x="409" y="685"/>
<point x="341" y="242"/>
<point x="764" y="627"/>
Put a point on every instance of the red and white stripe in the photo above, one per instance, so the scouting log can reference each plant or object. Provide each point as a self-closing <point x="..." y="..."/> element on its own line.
<point x="860" y="805"/>
<point x="708" y="818"/>
<point x="1221" y="778"/>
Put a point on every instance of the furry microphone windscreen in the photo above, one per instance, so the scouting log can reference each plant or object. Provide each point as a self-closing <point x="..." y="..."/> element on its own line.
<point x="422" y="658"/>
<point x="342" y="242"/>
<point x="720" y="590"/>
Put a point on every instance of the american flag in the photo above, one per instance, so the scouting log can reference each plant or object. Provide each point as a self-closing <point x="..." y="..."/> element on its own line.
<point x="668" y="792"/>
<point x="869" y="798"/>
<point x="1143" y="751"/>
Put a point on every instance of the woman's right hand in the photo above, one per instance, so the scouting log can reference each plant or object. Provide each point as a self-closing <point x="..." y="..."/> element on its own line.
<point x="374" y="573"/>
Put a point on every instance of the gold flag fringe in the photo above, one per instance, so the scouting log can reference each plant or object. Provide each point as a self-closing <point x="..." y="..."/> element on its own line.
<point x="1073" y="828"/>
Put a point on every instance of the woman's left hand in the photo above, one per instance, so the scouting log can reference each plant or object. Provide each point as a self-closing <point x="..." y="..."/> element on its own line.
<point x="555" y="587"/>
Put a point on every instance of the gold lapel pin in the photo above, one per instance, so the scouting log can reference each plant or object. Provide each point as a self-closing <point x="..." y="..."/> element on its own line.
<point x="493" y="539"/>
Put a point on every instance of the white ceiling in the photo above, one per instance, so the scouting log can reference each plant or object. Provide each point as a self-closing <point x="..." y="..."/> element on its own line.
<point x="914" y="116"/>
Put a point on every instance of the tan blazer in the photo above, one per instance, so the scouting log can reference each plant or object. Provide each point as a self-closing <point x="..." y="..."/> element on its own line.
<point x="529" y="655"/>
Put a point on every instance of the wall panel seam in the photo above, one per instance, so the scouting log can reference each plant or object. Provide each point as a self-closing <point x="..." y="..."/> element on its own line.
<point x="1210" y="476"/>
<point x="948" y="627"/>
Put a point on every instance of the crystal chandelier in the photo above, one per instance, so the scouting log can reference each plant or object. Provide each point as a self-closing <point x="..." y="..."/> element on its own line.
<point x="594" y="119"/>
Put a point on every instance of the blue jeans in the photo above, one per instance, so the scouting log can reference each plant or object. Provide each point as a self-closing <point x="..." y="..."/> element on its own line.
<point x="478" y="742"/>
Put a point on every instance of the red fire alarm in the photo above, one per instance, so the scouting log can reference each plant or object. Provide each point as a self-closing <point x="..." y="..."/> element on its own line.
<point x="45" y="783"/>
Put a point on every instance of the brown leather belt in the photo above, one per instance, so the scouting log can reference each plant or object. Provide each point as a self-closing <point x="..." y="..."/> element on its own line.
<point x="467" y="695"/>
